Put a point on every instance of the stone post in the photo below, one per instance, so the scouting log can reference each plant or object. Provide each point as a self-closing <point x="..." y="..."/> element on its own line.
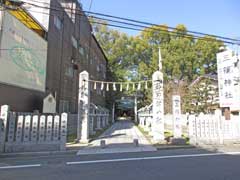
<point x="107" y="118"/>
<point x="83" y="108"/>
<point x="63" y="131"/>
<point x="98" y="122"/>
<point x="158" y="107"/>
<point x="3" y="126"/>
<point x="135" y="109"/>
<point x="113" y="113"/>
<point x="177" y="124"/>
<point x="218" y="116"/>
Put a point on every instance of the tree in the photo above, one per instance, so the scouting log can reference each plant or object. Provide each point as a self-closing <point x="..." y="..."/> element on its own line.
<point x="133" y="58"/>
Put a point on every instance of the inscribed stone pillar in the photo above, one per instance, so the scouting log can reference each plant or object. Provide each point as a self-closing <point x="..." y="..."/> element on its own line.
<point x="158" y="107"/>
<point x="83" y="107"/>
<point x="3" y="126"/>
<point x="177" y="124"/>
<point x="113" y="113"/>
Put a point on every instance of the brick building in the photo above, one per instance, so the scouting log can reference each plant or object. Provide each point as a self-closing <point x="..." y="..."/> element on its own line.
<point x="71" y="49"/>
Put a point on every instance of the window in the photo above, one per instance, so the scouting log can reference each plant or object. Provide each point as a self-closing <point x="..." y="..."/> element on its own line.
<point x="74" y="42"/>
<point x="63" y="106"/>
<point x="69" y="71"/>
<point x="57" y="22"/>
<point x="70" y="9"/>
<point x="98" y="68"/>
<point x="81" y="50"/>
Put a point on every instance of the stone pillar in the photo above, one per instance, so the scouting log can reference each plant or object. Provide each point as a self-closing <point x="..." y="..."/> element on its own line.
<point x="103" y="120"/>
<point x="158" y="107"/>
<point x="98" y="122"/>
<point x="91" y="128"/>
<point x="3" y="126"/>
<point x="135" y="109"/>
<point x="113" y="113"/>
<point x="63" y="131"/>
<point x="107" y="120"/>
<point x="177" y="124"/>
<point x="218" y="116"/>
<point x="83" y="107"/>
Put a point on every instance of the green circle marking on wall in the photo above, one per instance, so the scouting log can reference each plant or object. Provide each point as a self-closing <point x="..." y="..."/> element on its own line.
<point x="26" y="59"/>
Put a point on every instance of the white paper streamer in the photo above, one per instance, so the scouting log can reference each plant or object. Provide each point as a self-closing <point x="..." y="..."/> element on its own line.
<point x="95" y="86"/>
<point x="114" y="87"/>
<point x="146" y="85"/>
<point x="127" y="87"/>
<point x="102" y="86"/>
<point x="139" y="86"/>
<point x="107" y="87"/>
<point x="133" y="86"/>
<point x="121" y="87"/>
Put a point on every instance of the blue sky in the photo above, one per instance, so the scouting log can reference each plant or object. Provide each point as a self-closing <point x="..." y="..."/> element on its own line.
<point x="219" y="17"/>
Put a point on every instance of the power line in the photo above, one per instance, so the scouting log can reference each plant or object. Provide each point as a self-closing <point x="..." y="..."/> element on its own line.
<point x="152" y="24"/>
<point x="90" y="6"/>
<point x="147" y="28"/>
<point x="137" y="21"/>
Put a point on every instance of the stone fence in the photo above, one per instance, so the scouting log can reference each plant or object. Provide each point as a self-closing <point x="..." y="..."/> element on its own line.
<point x="214" y="129"/>
<point x="200" y="128"/>
<point x="98" y="118"/>
<point x="25" y="132"/>
<point x="145" y="118"/>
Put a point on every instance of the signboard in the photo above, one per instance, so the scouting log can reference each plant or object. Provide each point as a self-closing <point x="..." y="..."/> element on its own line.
<point x="228" y="80"/>
<point x="23" y="55"/>
<point x="177" y="125"/>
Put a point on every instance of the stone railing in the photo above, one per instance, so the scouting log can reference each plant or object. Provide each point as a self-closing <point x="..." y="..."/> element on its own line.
<point x="213" y="128"/>
<point x="98" y="118"/>
<point x="145" y="118"/>
<point x="22" y="132"/>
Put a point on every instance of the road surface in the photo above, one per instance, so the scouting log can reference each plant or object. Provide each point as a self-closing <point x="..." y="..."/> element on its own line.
<point x="188" y="164"/>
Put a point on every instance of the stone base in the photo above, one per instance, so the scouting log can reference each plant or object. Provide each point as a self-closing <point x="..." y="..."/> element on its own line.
<point x="177" y="141"/>
<point x="84" y="141"/>
<point x="159" y="141"/>
<point x="34" y="147"/>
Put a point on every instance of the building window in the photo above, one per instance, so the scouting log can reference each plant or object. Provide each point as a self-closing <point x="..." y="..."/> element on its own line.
<point x="81" y="51"/>
<point x="98" y="68"/>
<point x="57" y="22"/>
<point x="63" y="106"/>
<point x="70" y="9"/>
<point x="69" y="71"/>
<point x="74" y="42"/>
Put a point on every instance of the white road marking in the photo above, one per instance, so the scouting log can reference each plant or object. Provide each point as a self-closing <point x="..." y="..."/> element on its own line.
<point x="20" y="166"/>
<point x="152" y="158"/>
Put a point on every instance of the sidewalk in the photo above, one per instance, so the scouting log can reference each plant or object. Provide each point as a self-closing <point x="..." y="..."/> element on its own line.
<point x="119" y="138"/>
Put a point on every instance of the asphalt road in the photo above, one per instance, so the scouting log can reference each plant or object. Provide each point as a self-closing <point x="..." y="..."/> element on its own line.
<point x="188" y="164"/>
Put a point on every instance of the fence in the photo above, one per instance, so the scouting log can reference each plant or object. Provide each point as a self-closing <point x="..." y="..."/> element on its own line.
<point x="22" y="132"/>
<point x="213" y="128"/>
<point x="145" y="118"/>
<point x="98" y="118"/>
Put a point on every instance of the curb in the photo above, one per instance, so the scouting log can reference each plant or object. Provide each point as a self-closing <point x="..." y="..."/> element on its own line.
<point x="25" y="154"/>
<point x="174" y="147"/>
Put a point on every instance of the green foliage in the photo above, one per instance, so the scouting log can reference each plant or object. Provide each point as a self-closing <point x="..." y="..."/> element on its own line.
<point x="132" y="58"/>
<point x="200" y="97"/>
